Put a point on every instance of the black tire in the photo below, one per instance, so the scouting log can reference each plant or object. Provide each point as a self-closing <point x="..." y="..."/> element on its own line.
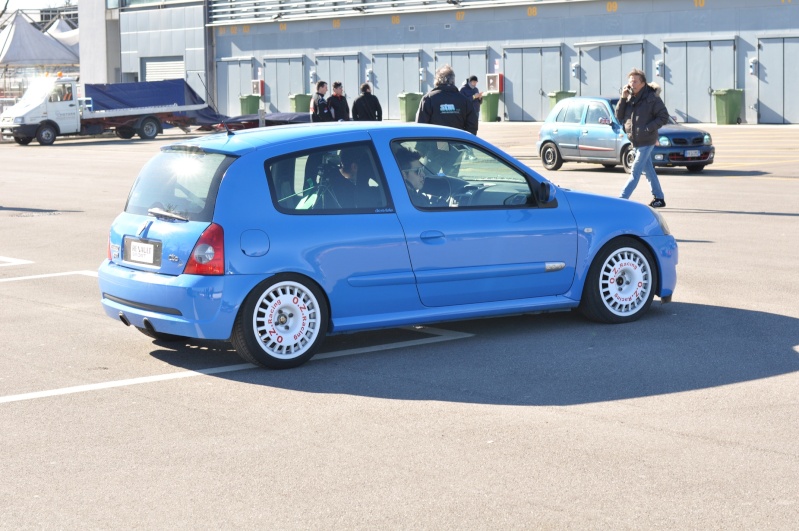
<point x="281" y="323"/>
<point x="695" y="168"/>
<point x="23" y="140"/>
<point x="125" y="133"/>
<point x="167" y="338"/>
<point x="148" y="129"/>
<point x="627" y="159"/>
<point x="609" y="166"/>
<point x="627" y="260"/>
<point x="550" y="157"/>
<point x="46" y="135"/>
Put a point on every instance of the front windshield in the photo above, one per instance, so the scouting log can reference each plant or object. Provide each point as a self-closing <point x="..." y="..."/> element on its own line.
<point x="38" y="90"/>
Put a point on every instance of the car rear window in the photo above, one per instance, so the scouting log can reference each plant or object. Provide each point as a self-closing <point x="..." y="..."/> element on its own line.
<point x="179" y="181"/>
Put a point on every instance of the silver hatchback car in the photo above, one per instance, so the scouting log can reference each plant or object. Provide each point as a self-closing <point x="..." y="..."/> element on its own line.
<point x="585" y="129"/>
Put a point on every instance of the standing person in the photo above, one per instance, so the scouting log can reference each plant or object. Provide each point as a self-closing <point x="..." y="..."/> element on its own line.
<point x="472" y="93"/>
<point x="444" y="105"/>
<point x="339" y="107"/>
<point x="366" y="107"/>
<point x="642" y="112"/>
<point x="320" y="112"/>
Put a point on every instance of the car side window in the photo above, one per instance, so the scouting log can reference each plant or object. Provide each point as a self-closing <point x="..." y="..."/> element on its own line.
<point x="597" y="114"/>
<point x="453" y="174"/>
<point x="333" y="180"/>
<point x="574" y="112"/>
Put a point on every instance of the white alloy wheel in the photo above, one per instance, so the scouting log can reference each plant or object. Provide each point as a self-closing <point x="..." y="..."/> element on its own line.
<point x="621" y="282"/>
<point x="281" y="325"/>
<point x="625" y="282"/>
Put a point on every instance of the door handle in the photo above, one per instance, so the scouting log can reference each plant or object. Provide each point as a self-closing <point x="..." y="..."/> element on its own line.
<point x="585" y="131"/>
<point x="431" y="235"/>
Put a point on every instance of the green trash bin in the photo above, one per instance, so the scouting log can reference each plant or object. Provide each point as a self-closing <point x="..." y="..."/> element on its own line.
<point x="409" y="104"/>
<point x="489" y="110"/>
<point x="728" y="105"/>
<point x="300" y="102"/>
<point x="250" y="104"/>
<point x="555" y="97"/>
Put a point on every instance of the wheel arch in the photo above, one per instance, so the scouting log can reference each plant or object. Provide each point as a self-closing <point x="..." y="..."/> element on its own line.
<point x="305" y="278"/>
<point x="595" y="247"/>
<point x="145" y="117"/>
<point x="51" y="123"/>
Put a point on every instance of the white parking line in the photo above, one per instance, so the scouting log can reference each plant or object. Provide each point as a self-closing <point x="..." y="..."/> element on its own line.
<point x="439" y="335"/>
<point x="49" y="275"/>
<point x="5" y="261"/>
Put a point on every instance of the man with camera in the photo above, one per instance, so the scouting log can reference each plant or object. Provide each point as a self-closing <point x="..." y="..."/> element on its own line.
<point x="642" y="112"/>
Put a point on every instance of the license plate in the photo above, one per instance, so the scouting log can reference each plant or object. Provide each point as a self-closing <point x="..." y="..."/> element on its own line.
<point x="692" y="153"/>
<point x="143" y="251"/>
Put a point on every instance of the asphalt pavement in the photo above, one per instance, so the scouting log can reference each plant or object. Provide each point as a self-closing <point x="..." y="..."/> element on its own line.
<point x="685" y="419"/>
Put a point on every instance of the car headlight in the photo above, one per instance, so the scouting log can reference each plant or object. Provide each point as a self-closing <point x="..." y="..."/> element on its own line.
<point x="19" y="120"/>
<point x="707" y="140"/>
<point x="662" y="221"/>
<point x="664" y="141"/>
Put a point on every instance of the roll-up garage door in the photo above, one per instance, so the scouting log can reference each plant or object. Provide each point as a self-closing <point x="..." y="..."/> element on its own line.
<point x="160" y="68"/>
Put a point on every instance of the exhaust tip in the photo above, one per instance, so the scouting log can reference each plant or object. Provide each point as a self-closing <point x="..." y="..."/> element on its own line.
<point x="149" y="326"/>
<point x="124" y="319"/>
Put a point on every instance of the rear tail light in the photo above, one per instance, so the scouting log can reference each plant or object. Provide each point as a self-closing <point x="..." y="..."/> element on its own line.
<point x="208" y="255"/>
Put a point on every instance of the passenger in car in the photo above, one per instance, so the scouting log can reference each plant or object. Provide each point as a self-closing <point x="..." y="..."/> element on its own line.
<point x="349" y="187"/>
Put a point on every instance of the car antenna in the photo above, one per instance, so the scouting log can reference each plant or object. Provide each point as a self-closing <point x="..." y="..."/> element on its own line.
<point x="213" y="105"/>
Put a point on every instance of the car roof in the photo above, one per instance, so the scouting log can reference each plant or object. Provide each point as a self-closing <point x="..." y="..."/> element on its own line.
<point x="244" y="141"/>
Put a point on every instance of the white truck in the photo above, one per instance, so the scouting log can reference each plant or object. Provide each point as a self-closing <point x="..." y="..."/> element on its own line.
<point x="51" y="107"/>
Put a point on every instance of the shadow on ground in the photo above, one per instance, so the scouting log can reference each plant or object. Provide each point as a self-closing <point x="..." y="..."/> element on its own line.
<point x="555" y="359"/>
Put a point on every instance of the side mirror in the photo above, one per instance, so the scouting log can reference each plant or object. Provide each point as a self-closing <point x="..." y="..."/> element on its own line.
<point x="605" y="121"/>
<point x="546" y="193"/>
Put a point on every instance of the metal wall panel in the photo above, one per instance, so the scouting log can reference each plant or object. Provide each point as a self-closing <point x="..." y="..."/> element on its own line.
<point x="675" y="77"/>
<point x="530" y="75"/>
<point x="283" y="76"/>
<point x="394" y="73"/>
<point x="791" y="102"/>
<point x="611" y="76"/>
<point x="590" y="80"/>
<point x="771" y="81"/>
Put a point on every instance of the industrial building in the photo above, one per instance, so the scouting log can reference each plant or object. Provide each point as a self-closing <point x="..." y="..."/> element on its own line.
<point x="690" y="47"/>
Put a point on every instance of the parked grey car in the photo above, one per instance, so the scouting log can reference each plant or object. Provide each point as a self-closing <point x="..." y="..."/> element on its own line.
<point x="585" y="129"/>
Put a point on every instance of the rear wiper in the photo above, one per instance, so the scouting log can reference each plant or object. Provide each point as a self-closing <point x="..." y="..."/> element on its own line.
<point x="161" y="213"/>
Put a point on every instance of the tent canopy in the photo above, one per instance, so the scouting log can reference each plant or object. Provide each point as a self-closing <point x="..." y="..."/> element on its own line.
<point x="21" y="44"/>
<point x="61" y="31"/>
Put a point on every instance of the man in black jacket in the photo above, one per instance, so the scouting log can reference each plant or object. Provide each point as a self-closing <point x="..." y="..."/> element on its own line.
<point x="642" y="112"/>
<point x="320" y="112"/>
<point x="445" y="105"/>
<point x="366" y="107"/>
<point x="339" y="107"/>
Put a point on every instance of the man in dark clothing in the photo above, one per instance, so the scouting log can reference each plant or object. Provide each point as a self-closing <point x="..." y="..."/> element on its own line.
<point x="320" y="112"/>
<point x="472" y="93"/>
<point x="339" y="107"/>
<point x="366" y="107"/>
<point x="642" y="112"/>
<point x="444" y="105"/>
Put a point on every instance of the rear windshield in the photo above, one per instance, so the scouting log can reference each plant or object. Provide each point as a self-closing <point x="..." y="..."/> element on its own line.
<point x="180" y="182"/>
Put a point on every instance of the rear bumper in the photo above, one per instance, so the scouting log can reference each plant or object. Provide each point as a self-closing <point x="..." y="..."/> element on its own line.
<point x="667" y="256"/>
<point x="185" y="305"/>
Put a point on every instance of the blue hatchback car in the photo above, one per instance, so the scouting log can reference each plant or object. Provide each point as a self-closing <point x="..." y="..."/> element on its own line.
<point x="273" y="238"/>
<point x="585" y="129"/>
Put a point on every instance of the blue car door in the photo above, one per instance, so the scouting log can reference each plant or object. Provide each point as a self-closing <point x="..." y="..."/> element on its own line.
<point x="480" y="236"/>
<point x="598" y="139"/>
<point x="568" y="127"/>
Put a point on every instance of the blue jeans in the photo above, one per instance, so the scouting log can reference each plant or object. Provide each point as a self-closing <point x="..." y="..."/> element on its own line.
<point x="643" y="164"/>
